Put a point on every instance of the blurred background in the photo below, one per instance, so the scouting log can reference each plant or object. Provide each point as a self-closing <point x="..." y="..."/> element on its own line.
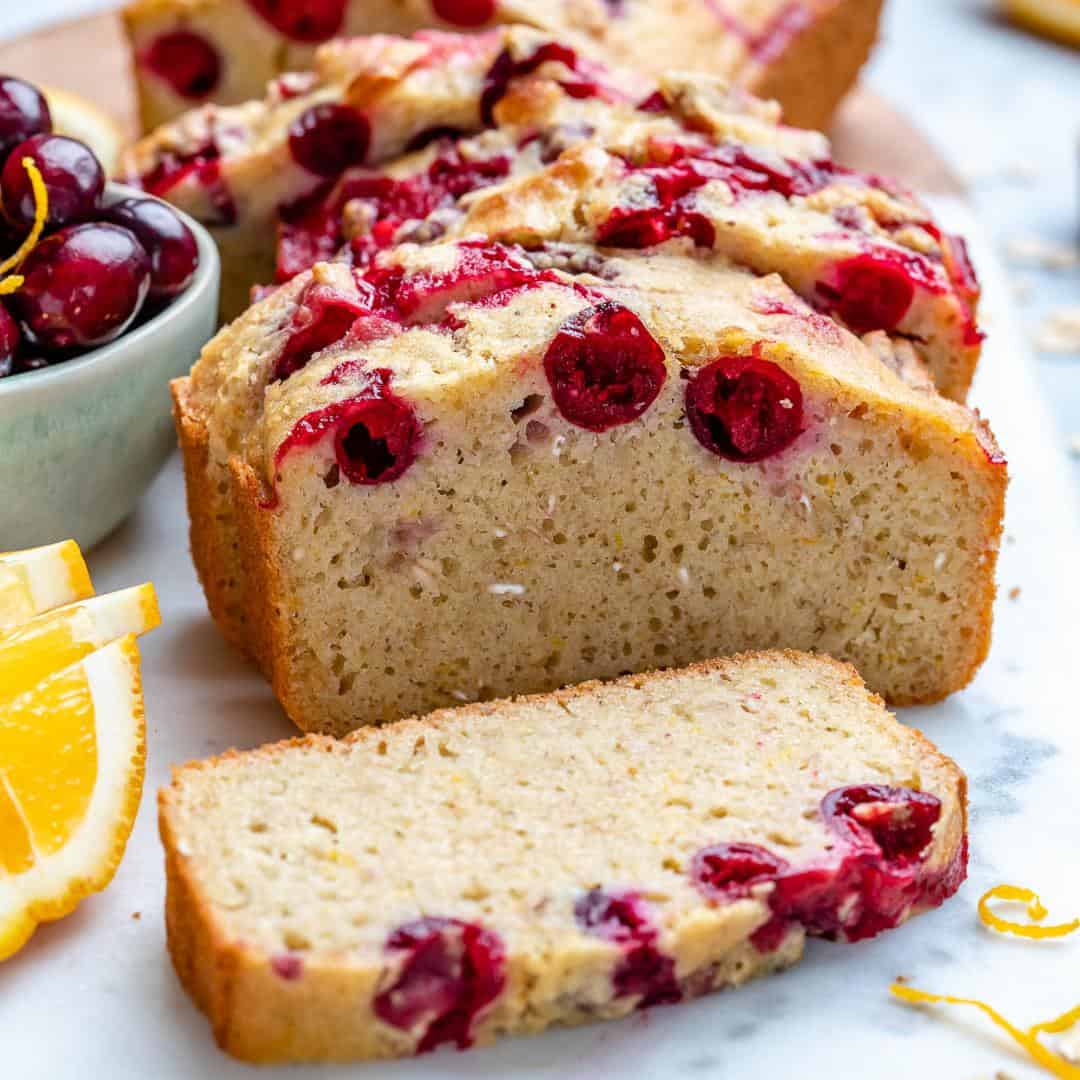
<point x="1002" y="106"/>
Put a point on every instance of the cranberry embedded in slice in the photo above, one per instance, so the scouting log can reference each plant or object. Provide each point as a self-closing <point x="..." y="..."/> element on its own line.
<point x="729" y="871"/>
<point x="23" y="112"/>
<point x="643" y="971"/>
<point x="308" y="21"/>
<point x="899" y="820"/>
<point x="465" y="12"/>
<point x="377" y="439"/>
<point x="327" y="139"/>
<point x="72" y="174"/>
<point x="186" y="61"/>
<point x="174" y="254"/>
<point x="604" y="367"/>
<point x="287" y="966"/>
<point x="322" y="317"/>
<point x="83" y="286"/>
<point x="619" y="917"/>
<point x="376" y="434"/>
<point x="870" y="292"/>
<point x="450" y="973"/>
<point x="744" y="408"/>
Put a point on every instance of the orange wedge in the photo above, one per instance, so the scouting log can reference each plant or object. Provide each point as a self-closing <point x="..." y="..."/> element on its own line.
<point x="41" y="579"/>
<point x="57" y="638"/>
<point x="72" y="756"/>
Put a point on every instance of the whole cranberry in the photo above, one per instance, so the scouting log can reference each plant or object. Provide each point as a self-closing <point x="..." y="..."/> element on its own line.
<point x="327" y="139"/>
<point x="744" y="408"/>
<point x="83" y="287"/>
<point x="186" y="61"/>
<point x="73" y="177"/>
<point x="465" y="12"/>
<point x="23" y="112"/>
<point x="174" y="254"/>
<point x="9" y="341"/>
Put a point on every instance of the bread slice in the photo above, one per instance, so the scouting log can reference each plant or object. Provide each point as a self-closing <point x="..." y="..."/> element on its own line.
<point x="504" y="867"/>
<point x="806" y="54"/>
<point x="404" y="494"/>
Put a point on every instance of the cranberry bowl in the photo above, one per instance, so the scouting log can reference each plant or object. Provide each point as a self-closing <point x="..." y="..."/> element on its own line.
<point x="82" y="439"/>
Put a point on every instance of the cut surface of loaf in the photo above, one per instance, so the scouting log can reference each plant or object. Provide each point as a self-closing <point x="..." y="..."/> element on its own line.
<point x="547" y="145"/>
<point x="471" y="471"/>
<point x="505" y="867"/>
<point x="806" y="54"/>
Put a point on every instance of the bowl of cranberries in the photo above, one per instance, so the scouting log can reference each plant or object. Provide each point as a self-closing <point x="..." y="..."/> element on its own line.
<point x="105" y="295"/>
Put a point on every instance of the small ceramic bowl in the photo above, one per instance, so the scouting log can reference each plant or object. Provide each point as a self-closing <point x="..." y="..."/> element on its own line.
<point x="80" y="442"/>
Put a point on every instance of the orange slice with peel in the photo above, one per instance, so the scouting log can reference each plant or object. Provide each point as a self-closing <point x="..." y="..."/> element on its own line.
<point x="72" y="757"/>
<point x="57" y="638"/>
<point x="40" y="579"/>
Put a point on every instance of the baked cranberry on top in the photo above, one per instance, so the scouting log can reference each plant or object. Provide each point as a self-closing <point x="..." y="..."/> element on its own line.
<point x="604" y="367"/>
<point x="744" y="408"/>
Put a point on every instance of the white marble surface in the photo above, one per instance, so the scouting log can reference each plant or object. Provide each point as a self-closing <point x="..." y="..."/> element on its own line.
<point x="95" y="995"/>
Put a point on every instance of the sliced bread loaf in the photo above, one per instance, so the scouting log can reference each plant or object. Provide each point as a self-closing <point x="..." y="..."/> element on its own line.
<point x="471" y="471"/>
<point x="550" y="860"/>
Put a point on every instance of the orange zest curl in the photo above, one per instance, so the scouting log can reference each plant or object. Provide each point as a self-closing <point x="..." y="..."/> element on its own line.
<point x="1013" y="894"/>
<point x="1029" y="1040"/>
<point x="41" y="212"/>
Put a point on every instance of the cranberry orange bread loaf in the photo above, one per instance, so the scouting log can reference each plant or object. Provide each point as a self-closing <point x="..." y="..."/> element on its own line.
<point x="472" y="471"/>
<point x="549" y="860"/>
<point x="573" y="151"/>
<point x="806" y="53"/>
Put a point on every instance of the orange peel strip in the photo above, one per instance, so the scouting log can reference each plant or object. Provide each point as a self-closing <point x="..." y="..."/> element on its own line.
<point x="1029" y="1040"/>
<point x="1013" y="894"/>
<point x="41" y="213"/>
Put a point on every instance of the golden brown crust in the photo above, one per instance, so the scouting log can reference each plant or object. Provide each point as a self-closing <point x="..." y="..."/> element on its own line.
<point x="212" y="547"/>
<point x="819" y="65"/>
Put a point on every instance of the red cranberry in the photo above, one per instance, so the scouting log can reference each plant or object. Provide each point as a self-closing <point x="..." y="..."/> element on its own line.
<point x="729" y="871"/>
<point x="604" y="367"/>
<point x="23" y="112"/>
<point x="308" y="21"/>
<point x="83" y="287"/>
<point x="465" y="12"/>
<point x="643" y="970"/>
<point x="871" y="292"/>
<point x="451" y="971"/>
<point x="186" y="61"/>
<point x="9" y="341"/>
<point x="505" y="69"/>
<point x="73" y="177"/>
<point x="203" y="165"/>
<point x="482" y="271"/>
<point x="310" y="229"/>
<point x="287" y="966"/>
<point x="322" y="317"/>
<point x="619" y="917"/>
<point x="174" y="254"/>
<point x="327" y="139"/>
<point x="899" y="820"/>
<point x="744" y="408"/>
<point x="377" y="440"/>
<point x="376" y="434"/>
